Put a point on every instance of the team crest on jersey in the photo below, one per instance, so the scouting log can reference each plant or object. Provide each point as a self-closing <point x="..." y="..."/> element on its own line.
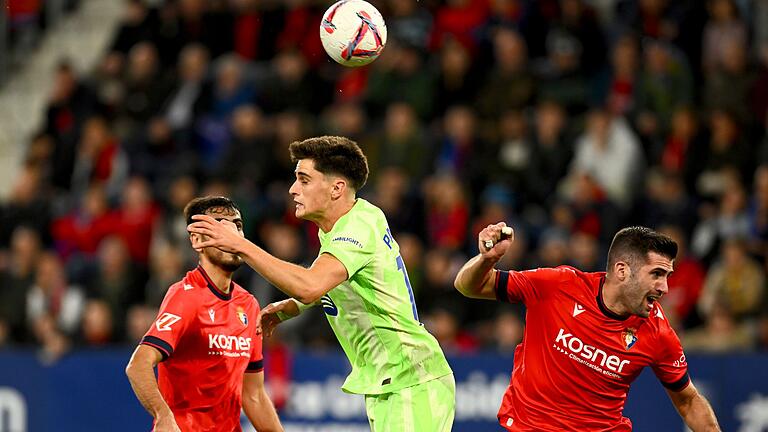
<point x="242" y="316"/>
<point x="629" y="337"/>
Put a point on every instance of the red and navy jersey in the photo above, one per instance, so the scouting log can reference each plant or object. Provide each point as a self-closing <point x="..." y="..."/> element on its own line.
<point x="208" y="341"/>
<point x="577" y="359"/>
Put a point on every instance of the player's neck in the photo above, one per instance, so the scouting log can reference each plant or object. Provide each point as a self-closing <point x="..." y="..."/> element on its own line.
<point x="336" y="210"/>
<point x="611" y="293"/>
<point x="222" y="279"/>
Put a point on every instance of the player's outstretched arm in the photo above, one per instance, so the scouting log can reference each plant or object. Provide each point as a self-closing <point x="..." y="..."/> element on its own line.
<point x="257" y="405"/>
<point x="694" y="409"/>
<point x="306" y="285"/>
<point x="140" y="371"/>
<point x="475" y="279"/>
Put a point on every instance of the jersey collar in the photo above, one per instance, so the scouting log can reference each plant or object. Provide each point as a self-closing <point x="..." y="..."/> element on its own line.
<point x="211" y="286"/>
<point x="603" y="308"/>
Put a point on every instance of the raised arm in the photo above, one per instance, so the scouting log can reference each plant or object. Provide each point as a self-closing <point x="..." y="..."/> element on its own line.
<point x="306" y="285"/>
<point x="694" y="409"/>
<point x="476" y="278"/>
<point x="257" y="405"/>
<point x="140" y="371"/>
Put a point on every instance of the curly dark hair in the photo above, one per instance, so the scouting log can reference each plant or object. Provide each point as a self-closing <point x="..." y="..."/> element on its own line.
<point x="203" y="205"/>
<point x="334" y="155"/>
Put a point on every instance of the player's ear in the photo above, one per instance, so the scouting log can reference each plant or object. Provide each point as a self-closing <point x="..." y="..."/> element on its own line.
<point x="195" y="239"/>
<point x="338" y="188"/>
<point x="622" y="270"/>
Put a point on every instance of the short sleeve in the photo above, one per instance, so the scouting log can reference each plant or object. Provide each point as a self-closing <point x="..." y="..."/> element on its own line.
<point x="256" y="361"/>
<point x="527" y="286"/>
<point x="172" y="321"/>
<point x="354" y="250"/>
<point x="670" y="366"/>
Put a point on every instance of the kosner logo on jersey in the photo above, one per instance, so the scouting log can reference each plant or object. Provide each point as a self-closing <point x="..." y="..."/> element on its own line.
<point x="594" y="356"/>
<point x="229" y="343"/>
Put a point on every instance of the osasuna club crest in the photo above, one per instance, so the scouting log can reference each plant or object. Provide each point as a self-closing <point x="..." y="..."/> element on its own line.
<point x="629" y="337"/>
<point x="242" y="316"/>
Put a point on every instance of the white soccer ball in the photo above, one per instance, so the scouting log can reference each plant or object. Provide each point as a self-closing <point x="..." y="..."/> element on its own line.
<point x="353" y="32"/>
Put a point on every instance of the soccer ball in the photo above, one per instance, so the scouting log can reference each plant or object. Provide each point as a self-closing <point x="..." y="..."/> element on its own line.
<point x="353" y="32"/>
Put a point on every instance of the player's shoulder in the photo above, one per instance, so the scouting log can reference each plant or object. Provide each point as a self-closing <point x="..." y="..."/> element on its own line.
<point x="243" y="296"/>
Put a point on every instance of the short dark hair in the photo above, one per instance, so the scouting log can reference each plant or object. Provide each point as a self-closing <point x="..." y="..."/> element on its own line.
<point x="334" y="155"/>
<point x="201" y="205"/>
<point x="633" y="244"/>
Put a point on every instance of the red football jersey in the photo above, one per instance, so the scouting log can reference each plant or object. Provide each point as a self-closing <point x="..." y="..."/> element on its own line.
<point x="577" y="359"/>
<point x="208" y="341"/>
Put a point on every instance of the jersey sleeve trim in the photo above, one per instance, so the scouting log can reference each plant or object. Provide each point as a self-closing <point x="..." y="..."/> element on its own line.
<point x="678" y="385"/>
<point x="155" y="342"/>
<point x="256" y="366"/>
<point x="502" y="280"/>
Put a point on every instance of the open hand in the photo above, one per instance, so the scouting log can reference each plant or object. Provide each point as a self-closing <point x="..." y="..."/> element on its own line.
<point x="268" y="318"/>
<point x="221" y="234"/>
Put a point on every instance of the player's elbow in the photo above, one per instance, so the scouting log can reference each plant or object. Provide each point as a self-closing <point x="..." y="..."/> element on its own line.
<point x="308" y="297"/>
<point x="461" y="287"/>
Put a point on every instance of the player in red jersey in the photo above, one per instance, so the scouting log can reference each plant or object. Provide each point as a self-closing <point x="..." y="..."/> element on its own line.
<point x="205" y="345"/>
<point x="587" y="335"/>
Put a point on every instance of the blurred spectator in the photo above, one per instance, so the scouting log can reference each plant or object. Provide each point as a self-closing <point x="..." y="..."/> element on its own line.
<point x="16" y="276"/>
<point x="70" y="104"/>
<point x="721" y="333"/>
<point x="403" y="144"/>
<point x="460" y="20"/>
<point x="136" y="26"/>
<point x="729" y="83"/>
<point x="616" y="86"/>
<point x="409" y="23"/>
<point x="708" y="167"/>
<point x="28" y="204"/>
<point x="291" y="85"/>
<point x="52" y="296"/>
<point x="457" y="77"/>
<point x="80" y="231"/>
<point x="514" y="154"/>
<point x="445" y="326"/>
<point x="400" y="75"/>
<point x="610" y="153"/>
<point x="166" y="267"/>
<point x="115" y="284"/>
<point x="723" y="33"/>
<point x="100" y="159"/>
<point x="447" y="213"/>
<point x="190" y="90"/>
<point x="97" y="327"/>
<point x="666" y="200"/>
<point x="684" y="137"/>
<point x="146" y="86"/>
<point x="729" y="221"/>
<point x="735" y="284"/>
<point x="552" y="152"/>
<point x="509" y="83"/>
<point x="245" y="162"/>
<point x="560" y="73"/>
<point x="665" y="83"/>
<point x="508" y="331"/>
<point x="393" y="193"/>
<point x="139" y="319"/>
<point x="585" y="252"/>
<point x="460" y="149"/>
<point x="136" y="218"/>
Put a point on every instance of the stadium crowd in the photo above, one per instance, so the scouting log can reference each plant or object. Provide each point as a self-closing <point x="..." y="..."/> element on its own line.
<point x="568" y="119"/>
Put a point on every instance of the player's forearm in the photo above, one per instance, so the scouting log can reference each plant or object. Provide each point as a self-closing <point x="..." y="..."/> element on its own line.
<point x="144" y="384"/>
<point x="261" y="412"/>
<point x="289" y="278"/>
<point x="473" y="276"/>
<point x="698" y="415"/>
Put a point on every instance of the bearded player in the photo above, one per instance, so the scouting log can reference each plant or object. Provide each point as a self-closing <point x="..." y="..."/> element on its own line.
<point x="587" y="335"/>
<point x="204" y="344"/>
